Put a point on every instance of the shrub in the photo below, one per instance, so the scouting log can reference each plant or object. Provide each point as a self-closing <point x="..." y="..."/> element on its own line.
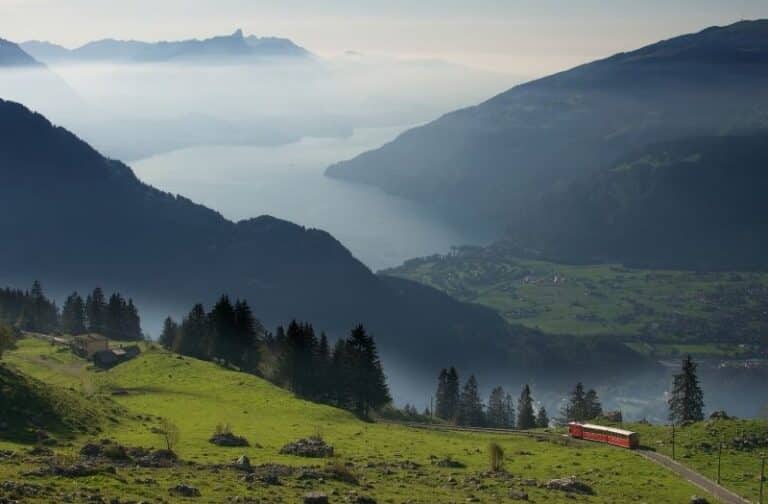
<point x="496" y="457"/>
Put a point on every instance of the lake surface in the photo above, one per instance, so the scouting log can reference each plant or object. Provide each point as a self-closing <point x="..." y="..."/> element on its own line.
<point x="288" y="182"/>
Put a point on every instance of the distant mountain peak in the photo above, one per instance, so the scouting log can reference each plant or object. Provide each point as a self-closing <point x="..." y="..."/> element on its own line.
<point x="11" y="55"/>
<point x="238" y="33"/>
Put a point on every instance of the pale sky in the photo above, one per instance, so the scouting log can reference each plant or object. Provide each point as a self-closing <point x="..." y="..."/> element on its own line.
<point x="513" y="36"/>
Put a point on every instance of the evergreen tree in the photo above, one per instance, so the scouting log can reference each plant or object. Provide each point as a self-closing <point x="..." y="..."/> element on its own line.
<point x="340" y="375"/>
<point x="368" y="386"/>
<point x="576" y="410"/>
<point x="323" y="369"/>
<point x="441" y="409"/>
<point x="452" y="394"/>
<point x="133" y="322"/>
<point x="592" y="405"/>
<point x="114" y="321"/>
<point x="247" y="330"/>
<point x="73" y="315"/>
<point x="193" y="338"/>
<point x="170" y="332"/>
<point x="224" y="340"/>
<point x="95" y="311"/>
<point x="470" y="405"/>
<point x="686" y="402"/>
<point x="526" y="419"/>
<point x="509" y="411"/>
<point x="542" y="420"/>
<point x="497" y="410"/>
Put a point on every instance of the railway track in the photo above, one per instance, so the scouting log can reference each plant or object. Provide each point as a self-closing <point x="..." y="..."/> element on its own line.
<point x="719" y="492"/>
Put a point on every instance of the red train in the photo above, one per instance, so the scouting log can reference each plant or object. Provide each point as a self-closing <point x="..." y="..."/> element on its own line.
<point x="610" y="435"/>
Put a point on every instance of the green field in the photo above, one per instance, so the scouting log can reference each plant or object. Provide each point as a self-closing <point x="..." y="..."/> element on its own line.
<point x="666" y="307"/>
<point x="391" y="463"/>
<point x="744" y="441"/>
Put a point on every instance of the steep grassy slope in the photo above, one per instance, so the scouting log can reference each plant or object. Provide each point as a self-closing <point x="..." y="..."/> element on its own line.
<point x="392" y="463"/>
<point x="656" y="306"/>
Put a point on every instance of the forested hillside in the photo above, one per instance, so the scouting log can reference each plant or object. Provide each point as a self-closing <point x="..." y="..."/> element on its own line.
<point x="498" y="161"/>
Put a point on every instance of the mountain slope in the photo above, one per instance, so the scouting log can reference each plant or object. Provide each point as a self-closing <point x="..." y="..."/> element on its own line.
<point x="694" y="203"/>
<point x="11" y="55"/>
<point x="221" y="48"/>
<point x="493" y="160"/>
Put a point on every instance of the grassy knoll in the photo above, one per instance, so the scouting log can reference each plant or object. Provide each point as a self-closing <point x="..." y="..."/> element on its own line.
<point x="391" y="463"/>
<point x="668" y="307"/>
<point x="696" y="446"/>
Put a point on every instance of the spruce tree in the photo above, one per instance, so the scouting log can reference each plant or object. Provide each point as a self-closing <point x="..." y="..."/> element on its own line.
<point x="452" y="394"/>
<point x="247" y="330"/>
<point x="509" y="411"/>
<point x="470" y="405"/>
<point x="114" y="320"/>
<point x="170" y="332"/>
<point x="223" y="331"/>
<point x="193" y="339"/>
<point x="339" y="375"/>
<point x="593" y="406"/>
<point x="73" y="315"/>
<point x="368" y="385"/>
<point x="526" y="418"/>
<point x="542" y="420"/>
<point x="576" y="410"/>
<point x="441" y="410"/>
<point x="95" y="311"/>
<point x="322" y="369"/>
<point x="686" y="402"/>
<point x="497" y="411"/>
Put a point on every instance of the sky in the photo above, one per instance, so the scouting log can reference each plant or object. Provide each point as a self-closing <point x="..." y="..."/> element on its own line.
<point x="519" y="37"/>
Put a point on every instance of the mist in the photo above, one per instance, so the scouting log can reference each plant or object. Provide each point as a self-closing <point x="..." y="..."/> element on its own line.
<point x="131" y="111"/>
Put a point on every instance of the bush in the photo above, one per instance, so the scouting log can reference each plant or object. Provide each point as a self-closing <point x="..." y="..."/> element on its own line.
<point x="496" y="457"/>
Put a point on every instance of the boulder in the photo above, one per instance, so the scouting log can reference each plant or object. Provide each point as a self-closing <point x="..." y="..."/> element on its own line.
<point x="184" y="490"/>
<point x="570" y="485"/>
<point x="315" y="498"/>
<point x="228" y="439"/>
<point x="698" y="500"/>
<point x="518" y="495"/>
<point x="243" y="463"/>
<point x="309" y="447"/>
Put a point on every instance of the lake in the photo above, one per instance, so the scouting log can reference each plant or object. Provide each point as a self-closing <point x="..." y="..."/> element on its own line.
<point x="287" y="182"/>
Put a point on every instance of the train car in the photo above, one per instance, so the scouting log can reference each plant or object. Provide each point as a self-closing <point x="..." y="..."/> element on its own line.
<point x="601" y="434"/>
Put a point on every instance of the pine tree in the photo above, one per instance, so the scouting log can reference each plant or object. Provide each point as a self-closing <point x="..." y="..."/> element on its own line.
<point x="593" y="406"/>
<point x="340" y="375"/>
<point x="542" y="420"/>
<point x="169" y="335"/>
<point x="470" y="405"/>
<point x="193" y="339"/>
<point x="452" y="394"/>
<point x="686" y="403"/>
<point x="441" y="406"/>
<point x="497" y="411"/>
<point x="95" y="311"/>
<point x="73" y="315"/>
<point x="576" y="409"/>
<point x="509" y="411"/>
<point x="114" y="321"/>
<point x="247" y="330"/>
<point x="526" y="419"/>
<point x="223" y="331"/>
<point x="368" y="385"/>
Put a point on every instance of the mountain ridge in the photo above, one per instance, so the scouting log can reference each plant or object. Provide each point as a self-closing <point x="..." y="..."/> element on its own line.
<point x="493" y="161"/>
<point x="228" y="47"/>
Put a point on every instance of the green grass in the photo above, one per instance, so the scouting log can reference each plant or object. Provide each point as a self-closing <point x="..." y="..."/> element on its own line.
<point x="197" y="396"/>
<point x="697" y="446"/>
<point x="672" y="307"/>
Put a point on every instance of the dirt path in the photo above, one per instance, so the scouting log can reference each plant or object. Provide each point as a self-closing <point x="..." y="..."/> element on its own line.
<point x="720" y="493"/>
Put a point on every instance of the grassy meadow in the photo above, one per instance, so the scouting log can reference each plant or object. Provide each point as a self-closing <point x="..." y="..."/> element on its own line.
<point x="674" y="311"/>
<point x="391" y="463"/>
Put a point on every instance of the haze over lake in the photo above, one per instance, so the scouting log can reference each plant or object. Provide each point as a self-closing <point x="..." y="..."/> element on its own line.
<point x="288" y="182"/>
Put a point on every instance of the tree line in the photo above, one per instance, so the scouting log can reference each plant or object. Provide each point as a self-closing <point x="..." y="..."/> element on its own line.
<point x="464" y="405"/>
<point x="33" y="311"/>
<point x="349" y="375"/>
